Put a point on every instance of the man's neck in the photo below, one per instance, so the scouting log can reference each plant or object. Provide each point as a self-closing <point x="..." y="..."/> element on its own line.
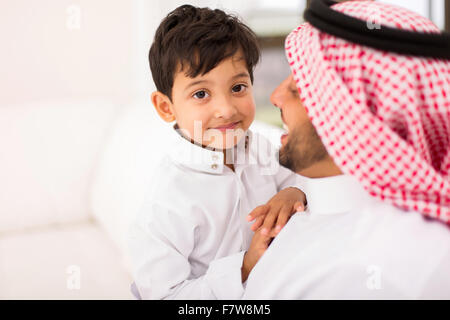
<point x="321" y="169"/>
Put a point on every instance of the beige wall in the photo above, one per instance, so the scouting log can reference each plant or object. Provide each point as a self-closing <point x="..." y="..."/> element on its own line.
<point x="45" y="56"/>
<point x="80" y="49"/>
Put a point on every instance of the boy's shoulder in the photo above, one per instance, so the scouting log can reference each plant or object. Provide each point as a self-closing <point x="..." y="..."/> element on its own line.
<point x="264" y="135"/>
<point x="258" y="137"/>
<point x="263" y="150"/>
<point x="167" y="190"/>
<point x="173" y="178"/>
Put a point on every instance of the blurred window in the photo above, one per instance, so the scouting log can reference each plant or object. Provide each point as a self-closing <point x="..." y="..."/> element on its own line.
<point x="432" y="9"/>
<point x="272" y="21"/>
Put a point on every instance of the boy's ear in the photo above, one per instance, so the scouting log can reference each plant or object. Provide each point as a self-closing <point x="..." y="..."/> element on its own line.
<point x="163" y="106"/>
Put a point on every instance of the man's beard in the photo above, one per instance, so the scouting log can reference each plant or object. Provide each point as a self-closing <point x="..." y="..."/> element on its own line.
<point x="303" y="149"/>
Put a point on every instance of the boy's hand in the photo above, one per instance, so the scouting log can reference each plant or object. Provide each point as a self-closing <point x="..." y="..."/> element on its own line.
<point x="258" y="246"/>
<point x="277" y="210"/>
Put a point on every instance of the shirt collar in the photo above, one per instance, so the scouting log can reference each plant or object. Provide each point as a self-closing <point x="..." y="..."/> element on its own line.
<point x="198" y="157"/>
<point x="333" y="195"/>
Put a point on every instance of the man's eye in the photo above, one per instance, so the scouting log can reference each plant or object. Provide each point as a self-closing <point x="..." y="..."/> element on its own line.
<point x="294" y="92"/>
<point x="201" y="94"/>
<point x="238" y="88"/>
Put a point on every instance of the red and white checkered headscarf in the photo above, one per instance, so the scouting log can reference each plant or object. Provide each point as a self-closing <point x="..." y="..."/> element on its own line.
<point x="383" y="117"/>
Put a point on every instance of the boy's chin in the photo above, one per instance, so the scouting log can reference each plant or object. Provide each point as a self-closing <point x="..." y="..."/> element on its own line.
<point x="223" y="141"/>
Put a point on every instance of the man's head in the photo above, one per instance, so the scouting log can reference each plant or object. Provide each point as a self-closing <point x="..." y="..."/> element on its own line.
<point x="301" y="146"/>
<point x="382" y="116"/>
<point x="202" y="63"/>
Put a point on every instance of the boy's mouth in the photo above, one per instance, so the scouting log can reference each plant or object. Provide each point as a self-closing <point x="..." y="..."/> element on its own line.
<point x="229" y="126"/>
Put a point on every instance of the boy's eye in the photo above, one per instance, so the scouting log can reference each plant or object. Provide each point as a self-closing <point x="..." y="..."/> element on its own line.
<point x="201" y="94"/>
<point x="238" y="88"/>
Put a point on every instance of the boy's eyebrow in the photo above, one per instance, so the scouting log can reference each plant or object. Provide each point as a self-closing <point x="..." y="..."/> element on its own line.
<point x="240" y="75"/>
<point x="196" y="83"/>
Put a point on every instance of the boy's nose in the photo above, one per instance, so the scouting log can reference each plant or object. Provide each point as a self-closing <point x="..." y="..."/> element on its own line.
<point x="225" y="109"/>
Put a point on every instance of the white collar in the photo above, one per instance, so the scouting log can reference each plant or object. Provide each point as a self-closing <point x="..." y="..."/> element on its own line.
<point x="333" y="195"/>
<point x="200" y="158"/>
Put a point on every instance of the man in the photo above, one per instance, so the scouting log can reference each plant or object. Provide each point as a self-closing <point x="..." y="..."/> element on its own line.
<point x="370" y="132"/>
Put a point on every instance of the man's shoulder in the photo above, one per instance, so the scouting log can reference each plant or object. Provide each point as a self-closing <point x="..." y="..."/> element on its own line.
<point x="352" y="249"/>
<point x="392" y="221"/>
<point x="408" y="233"/>
<point x="403" y="247"/>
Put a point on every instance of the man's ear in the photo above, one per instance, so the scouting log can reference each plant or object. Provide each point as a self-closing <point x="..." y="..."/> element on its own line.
<point x="163" y="106"/>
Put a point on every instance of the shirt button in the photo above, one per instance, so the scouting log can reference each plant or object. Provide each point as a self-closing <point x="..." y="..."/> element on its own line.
<point x="215" y="157"/>
<point x="214" y="166"/>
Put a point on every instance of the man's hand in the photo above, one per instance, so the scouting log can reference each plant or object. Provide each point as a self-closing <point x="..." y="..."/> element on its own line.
<point x="277" y="210"/>
<point x="258" y="246"/>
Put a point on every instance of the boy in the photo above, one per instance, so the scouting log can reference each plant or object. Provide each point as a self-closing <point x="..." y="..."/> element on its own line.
<point x="191" y="239"/>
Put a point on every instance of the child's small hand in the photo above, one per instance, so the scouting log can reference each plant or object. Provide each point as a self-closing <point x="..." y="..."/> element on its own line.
<point x="258" y="246"/>
<point x="277" y="210"/>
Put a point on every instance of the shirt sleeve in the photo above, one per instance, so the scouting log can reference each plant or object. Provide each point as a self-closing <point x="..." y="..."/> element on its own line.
<point x="160" y="245"/>
<point x="285" y="178"/>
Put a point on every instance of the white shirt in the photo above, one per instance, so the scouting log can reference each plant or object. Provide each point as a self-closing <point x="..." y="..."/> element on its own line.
<point x="348" y="245"/>
<point x="190" y="236"/>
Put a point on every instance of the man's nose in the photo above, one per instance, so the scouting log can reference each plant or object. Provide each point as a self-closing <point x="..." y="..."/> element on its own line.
<point x="275" y="97"/>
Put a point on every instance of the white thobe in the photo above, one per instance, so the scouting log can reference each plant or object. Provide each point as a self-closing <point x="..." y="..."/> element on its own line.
<point x="190" y="236"/>
<point x="348" y="245"/>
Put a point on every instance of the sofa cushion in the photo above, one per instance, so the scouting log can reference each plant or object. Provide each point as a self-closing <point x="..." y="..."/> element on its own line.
<point x="47" y="153"/>
<point x="47" y="264"/>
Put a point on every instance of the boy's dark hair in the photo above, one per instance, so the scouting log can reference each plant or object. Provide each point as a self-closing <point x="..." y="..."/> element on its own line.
<point x="197" y="40"/>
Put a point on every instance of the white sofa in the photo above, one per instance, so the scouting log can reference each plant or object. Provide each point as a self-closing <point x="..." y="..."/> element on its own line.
<point x="72" y="177"/>
<point x="48" y="155"/>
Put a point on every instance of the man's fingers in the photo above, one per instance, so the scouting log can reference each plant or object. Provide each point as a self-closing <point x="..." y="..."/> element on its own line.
<point x="258" y="211"/>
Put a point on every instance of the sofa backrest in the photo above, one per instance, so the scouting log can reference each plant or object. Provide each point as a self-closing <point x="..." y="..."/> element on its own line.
<point x="47" y="153"/>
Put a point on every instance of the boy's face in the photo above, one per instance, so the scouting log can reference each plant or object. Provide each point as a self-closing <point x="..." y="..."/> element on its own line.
<point x="215" y="109"/>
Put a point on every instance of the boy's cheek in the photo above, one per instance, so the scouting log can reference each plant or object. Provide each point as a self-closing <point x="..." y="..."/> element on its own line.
<point x="249" y="115"/>
<point x="252" y="110"/>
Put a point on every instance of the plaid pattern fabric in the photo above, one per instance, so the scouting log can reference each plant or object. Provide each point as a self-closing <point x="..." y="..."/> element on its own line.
<point x="383" y="117"/>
